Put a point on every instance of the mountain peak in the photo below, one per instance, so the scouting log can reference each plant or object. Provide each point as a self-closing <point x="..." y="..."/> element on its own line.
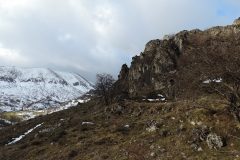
<point x="31" y="85"/>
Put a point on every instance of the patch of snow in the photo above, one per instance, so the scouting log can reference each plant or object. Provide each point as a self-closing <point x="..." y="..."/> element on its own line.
<point x="84" y="100"/>
<point x="38" y="88"/>
<point x="5" y="121"/>
<point x="163" y="99"/>
<point x="219" y="80"/>
<point x="207" y="81"/>
<point x="126" y="126"/>
<point x="160" y="95"/>
<point x="156" y="100"/>
<point x="152" y="100"/>
<point x="15" y="140"/>
<point x="87" y="123"/>
<point x="29" y="114"/>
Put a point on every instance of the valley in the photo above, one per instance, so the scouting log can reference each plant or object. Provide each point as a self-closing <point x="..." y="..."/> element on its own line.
<point x="179" y="99"/>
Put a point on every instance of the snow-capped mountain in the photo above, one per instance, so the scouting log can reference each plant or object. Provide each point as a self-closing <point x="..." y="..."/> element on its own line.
<point x="37" y="88"/>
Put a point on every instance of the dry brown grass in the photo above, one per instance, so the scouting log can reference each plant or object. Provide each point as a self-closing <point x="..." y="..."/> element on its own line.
<point x="108" y="139"/>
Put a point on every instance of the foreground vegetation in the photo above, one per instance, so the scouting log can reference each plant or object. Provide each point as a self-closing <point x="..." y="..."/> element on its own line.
<point x="128" y="130"/>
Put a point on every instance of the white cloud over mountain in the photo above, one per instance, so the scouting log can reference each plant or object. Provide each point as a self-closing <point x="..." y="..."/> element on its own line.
<point x="98" y="35"/>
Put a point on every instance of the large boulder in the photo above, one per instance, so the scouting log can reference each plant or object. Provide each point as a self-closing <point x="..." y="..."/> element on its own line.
<point x="214" y="141"/>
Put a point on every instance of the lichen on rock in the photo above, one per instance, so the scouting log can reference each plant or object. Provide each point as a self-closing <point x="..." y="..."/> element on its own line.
<point x="214" y="141"/>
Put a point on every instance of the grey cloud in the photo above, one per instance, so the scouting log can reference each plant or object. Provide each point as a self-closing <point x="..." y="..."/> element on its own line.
<point x="97" y="36"/>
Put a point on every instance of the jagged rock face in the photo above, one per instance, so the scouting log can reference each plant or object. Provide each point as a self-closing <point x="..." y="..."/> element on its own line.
<point x="124" y="72"/>
<point x="155" y="69"/>
<point x="151" y="45"/>
<point x="148" y="71"/>
<point x="121" y="86"/>
<point x="237" y="21"/>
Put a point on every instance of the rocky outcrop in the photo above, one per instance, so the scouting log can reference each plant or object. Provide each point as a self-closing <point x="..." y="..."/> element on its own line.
<point x="121" y="86"/>
<point x="214" y="141"/>
<point x="155" y="69"/>
<point x="124" y="72"/>
<point x="237" y="21"/>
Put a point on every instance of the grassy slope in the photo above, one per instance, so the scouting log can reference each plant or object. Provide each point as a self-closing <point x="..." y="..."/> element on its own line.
<point x="62" y="135"/>
<point x="18" y="116"/>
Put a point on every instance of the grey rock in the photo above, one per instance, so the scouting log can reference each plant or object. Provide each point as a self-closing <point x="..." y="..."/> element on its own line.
<point x="214" y="141"/>
<point x="236" y="21"/>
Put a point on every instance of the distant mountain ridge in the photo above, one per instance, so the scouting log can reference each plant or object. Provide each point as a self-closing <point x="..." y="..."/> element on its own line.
<point x="37" y="88"/>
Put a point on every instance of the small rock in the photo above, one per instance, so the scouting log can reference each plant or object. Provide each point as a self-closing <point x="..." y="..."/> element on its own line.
<point x="152" y="154"/>
<point x="193" y="123"/>
<point x="200" y="149"/>
<point x="214" y="141"/>
<point x="152" y="128"/>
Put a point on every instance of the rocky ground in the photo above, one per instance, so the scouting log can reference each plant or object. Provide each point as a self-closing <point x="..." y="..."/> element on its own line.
<point x="184" y="129"/>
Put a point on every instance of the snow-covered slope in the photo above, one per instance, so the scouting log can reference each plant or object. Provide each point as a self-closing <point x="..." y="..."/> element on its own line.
<point x="34" y="88"/>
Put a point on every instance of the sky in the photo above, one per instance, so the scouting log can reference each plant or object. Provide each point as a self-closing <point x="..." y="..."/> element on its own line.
<point x="97" y="36"/>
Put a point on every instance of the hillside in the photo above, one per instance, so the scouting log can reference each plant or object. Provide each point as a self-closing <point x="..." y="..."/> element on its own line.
<point x="179" y="99"/>
<point x="38" y="88"/>
<point x="143" y="131"/>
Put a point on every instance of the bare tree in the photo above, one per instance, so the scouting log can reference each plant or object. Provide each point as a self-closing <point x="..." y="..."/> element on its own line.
<point x="103" y="86"/>
<point x="215" y="72"/>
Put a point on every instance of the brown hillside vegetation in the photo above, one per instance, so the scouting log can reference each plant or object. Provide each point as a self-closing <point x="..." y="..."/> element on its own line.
<point x="143" y="130"/>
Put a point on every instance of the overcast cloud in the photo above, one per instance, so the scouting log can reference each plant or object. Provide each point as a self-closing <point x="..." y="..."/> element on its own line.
<point x="94" y="36"/>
